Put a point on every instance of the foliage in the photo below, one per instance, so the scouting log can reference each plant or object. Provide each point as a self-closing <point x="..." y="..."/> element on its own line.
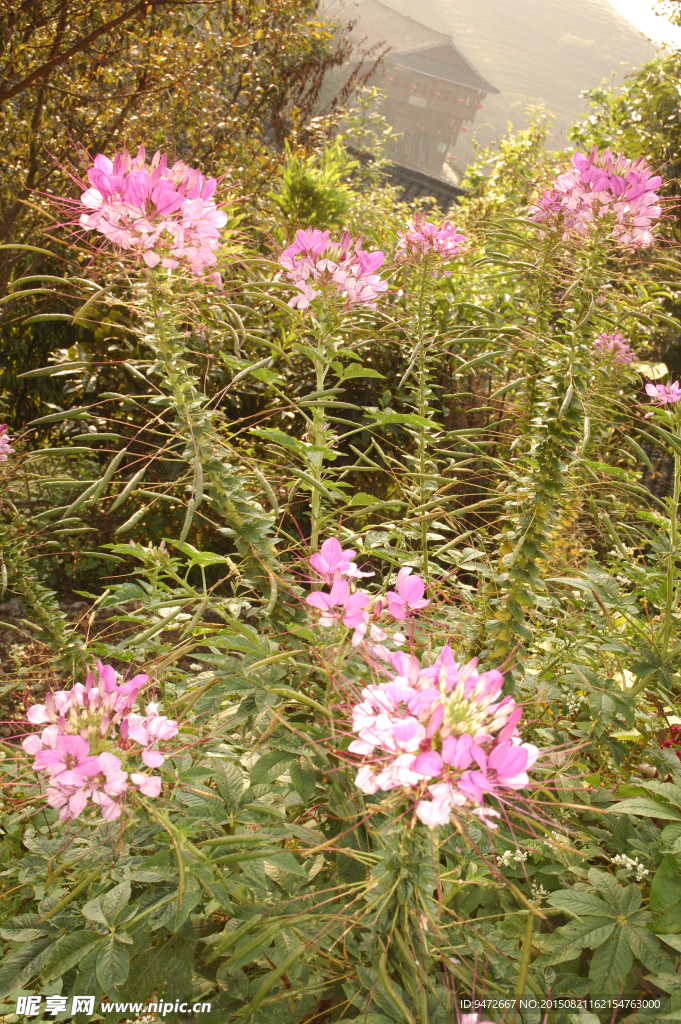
<point x="473" y="428"/>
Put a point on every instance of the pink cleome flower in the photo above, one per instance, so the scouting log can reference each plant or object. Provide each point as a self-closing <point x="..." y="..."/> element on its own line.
<point x="164" y="214"/>
<point x="603" y="186"/>
<point x="441" y="735"/>
<point x="409" y="596"/>
<point x="614" y="345"/>
<point x="337" y="268"/>
<point x="422" y="239"/>
<point x="83" y="726"/>
<point x="664" y="394"/>
<point x="5" y="448"/>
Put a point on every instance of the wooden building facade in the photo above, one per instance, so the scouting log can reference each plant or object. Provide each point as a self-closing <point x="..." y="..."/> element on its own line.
<point x="432" y="94"/>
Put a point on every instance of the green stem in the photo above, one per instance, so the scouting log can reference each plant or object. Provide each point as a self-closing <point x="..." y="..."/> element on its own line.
<point x="317" y="462"/>
<point x="423" y="408"/>
<point x="525" y="958"/>
<point x="673" y="541"/>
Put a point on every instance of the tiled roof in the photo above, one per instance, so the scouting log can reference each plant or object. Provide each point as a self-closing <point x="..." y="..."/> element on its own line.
<point x="421" y="61"/>
<point x="417" y="185"/>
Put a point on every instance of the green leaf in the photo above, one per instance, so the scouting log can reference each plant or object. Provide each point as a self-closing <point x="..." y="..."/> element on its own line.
<point x="279" y="437"/>
<point x="86" y="984"/>
<point x="113" y="964"/>
<point x="146" y="973"/>
<point x="304" y="778"/>
<point x="177" y="968"/>
<point x="27" y="927"/>
<point x="230" y="783"/>
<point x="285" y="861"/>
<point x="20" y="966"/>
<point x="581" y="903"/>
<point x="479" y="361"/>
<point x="50" y="371"/>
<point x="644" y="945"/>
<point x="69" y="951"/>
<point x="411" y="419"/>
<point x="610" y="888"/>
<point x="665" y="897"/>
<point x="358" y="371"/>
<point x="611" y="963"/>
<point x="115" y="901"/>
<point x="591" y="932"/>
<point x="646" y="807"/>
<point x="270" y="766"/>
<point x="93" y="911"/>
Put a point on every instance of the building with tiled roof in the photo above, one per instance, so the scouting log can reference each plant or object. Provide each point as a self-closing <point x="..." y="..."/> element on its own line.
<point x="432" y="91"/>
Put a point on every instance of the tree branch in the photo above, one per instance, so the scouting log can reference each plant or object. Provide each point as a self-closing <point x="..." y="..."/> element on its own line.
<point x="8" y="91"/>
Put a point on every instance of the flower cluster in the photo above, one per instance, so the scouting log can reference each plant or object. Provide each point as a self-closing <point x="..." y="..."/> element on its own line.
<point x="423" y="238"/>
<point x="315" y="265"/>
<point x="443" y="734"/>
<point x="615" y="346"/>
<point x="164" y="214"/>
<point x="355" y="608"/>
<point x="664" y="394"/>
<point x="603" y="185"/>
<point x="82" y="728"/>
<point x="621" y="860"/>
<point x="5" y="439"/>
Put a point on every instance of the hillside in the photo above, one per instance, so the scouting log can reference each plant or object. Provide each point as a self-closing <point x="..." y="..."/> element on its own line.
<point x="534" y="51"/>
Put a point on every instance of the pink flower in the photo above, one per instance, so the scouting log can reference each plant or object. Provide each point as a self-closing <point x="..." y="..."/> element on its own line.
<point x="505" y="767"/>
<point x="350" y="606"/>
<point x="108" y="785"/>
<point x="70" y="763"/>
<point x="438" y="810"/>
<point x="166" y="215"/>
<point x="32" y="744"/>
<point x="148" y="730"/>
<point x="603" y="186"/>
<point x="409" y="596"/>
<point x="5" y="439"/>
<point x="616" y="346"/>
<point x="423" y="239"/>
<point x="70" y="801"/>
<point x="148" y="785"/>
<point x="340" y="268"/>
<point x="365" y="780"/>
<point x="331" y="561"/>
<point x="664" y="394"/>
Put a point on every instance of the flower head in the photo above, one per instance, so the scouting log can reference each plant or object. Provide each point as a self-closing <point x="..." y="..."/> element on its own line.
<point x="614" y="345"/>
<point x="442" y="735"/>
<point x="165" y="215"/>
<point x="82" y="729"/>
<point x="422" y="239"/>
<point x="5" y="448"/>
<point x="408" y="597"/>
<point x="603" y="187"/>
<point x="664" y="394"/>
<point x="341" y="268"/>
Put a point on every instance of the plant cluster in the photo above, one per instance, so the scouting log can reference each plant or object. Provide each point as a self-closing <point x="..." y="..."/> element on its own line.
<point x="382" y="683"/>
